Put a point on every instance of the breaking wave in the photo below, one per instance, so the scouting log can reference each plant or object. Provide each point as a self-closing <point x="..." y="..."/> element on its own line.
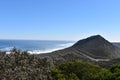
<point x="59" y="47"/>
<point x="6" y="49"/>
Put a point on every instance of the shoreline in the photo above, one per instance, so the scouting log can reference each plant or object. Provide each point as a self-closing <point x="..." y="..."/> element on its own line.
<point x="38" y="51"/>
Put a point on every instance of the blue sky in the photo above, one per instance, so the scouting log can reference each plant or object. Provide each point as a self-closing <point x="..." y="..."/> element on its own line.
<point x="59" y="19"/>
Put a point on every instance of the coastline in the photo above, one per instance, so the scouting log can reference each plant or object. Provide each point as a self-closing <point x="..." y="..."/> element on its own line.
<point x="40" y="51"/>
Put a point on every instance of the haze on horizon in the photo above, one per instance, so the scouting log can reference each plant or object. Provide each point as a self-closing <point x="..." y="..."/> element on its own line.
<point x="59" y="19"/>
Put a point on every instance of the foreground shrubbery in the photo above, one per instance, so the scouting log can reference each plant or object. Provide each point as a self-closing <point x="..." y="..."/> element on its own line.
<point x="23" y="66"/>
<point x="20" y="65"/>
<point x="84" y="71"/>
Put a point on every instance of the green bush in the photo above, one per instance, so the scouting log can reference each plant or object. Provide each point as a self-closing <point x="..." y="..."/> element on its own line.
<point x="115" y="69"/>
<point x="84" y="71"/>
<point x="76" y="70"/>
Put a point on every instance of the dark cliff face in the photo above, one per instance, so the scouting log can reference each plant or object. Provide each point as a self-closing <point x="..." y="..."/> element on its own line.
<point x="97" y="46"/>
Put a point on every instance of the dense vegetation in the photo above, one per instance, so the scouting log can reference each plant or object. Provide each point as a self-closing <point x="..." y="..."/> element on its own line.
<point x="20" y="65"/>
<point x="84" y="71"/>
<point x="23" y="66"/>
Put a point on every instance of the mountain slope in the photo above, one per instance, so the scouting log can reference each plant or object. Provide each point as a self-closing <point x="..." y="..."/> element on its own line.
<point x="97" y="46"/>
<point x="94" y="48"/>
<point x="117" y="44"/>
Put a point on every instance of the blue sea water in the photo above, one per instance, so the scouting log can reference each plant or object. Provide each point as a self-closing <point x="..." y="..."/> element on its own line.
<point x="34" y="46"/>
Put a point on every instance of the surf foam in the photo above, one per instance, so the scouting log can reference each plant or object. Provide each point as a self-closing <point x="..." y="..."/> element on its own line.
<point x="61" y="46"/>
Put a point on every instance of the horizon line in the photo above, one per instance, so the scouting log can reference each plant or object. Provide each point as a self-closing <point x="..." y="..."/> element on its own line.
<point x="41" y="39"/>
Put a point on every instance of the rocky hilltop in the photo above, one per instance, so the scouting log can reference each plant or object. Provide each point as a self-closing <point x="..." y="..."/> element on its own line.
<point x="97" y="46"/>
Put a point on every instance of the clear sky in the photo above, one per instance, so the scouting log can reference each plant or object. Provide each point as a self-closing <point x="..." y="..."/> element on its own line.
<point x="59" y="19"/>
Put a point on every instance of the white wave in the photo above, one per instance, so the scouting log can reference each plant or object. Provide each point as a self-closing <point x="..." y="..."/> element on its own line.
<point x="61" y="46"/>
<point x="8" y="52"/>
<point x="6" y="49"/>
<point x="42" y="51"/>
<point x="66" y="45"/>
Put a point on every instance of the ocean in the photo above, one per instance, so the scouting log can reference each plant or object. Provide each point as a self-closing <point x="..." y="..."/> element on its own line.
<point x="34" y="46"/>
